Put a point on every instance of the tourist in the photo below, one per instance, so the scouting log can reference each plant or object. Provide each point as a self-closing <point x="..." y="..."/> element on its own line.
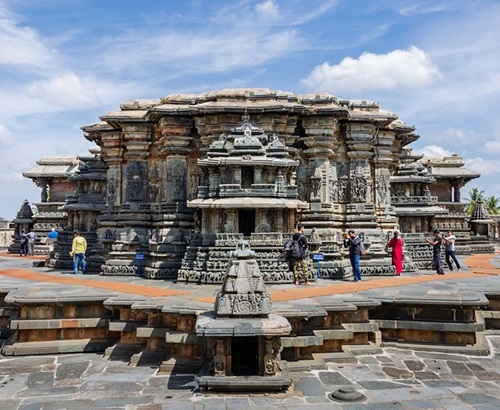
<point x="449" y="250"/>
<point x="23" y="243"/>
<point x="356" y="247"/>
<point x="300" y="263"/>
<point x="31" y="242"/>
<point x="436" y="251"/>
<point x="52" y="237"/>
<point x="397" y="245"/>
<point x="78" y="249"/>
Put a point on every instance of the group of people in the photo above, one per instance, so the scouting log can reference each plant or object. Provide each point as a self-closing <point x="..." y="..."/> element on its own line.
<point x="449" y="243"/>
<point x="27" y="243"/>
<point x="356" y="249"/>
<point x="78" y="246"/>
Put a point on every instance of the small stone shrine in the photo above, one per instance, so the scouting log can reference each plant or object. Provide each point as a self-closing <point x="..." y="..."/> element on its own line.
<point x="242" y="336"/>
<point x="23" y="220"/>
<point x="246" y="190"/>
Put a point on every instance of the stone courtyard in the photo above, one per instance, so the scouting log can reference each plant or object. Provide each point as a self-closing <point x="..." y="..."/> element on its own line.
<point x="394" y="375"/>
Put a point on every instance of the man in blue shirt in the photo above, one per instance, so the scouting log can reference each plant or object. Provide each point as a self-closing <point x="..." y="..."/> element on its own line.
<point x="52" y="239"/>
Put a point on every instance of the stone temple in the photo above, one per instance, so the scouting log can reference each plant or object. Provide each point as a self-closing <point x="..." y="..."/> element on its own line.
<point x="176" y="183"/>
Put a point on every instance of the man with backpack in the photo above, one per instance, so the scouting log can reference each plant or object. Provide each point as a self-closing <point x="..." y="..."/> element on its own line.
<point x="298" y="255"/>
<point x="356" y="249"/>
<point x="23" y="243"/>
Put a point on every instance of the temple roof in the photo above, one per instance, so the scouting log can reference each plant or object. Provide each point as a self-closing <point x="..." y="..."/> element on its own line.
<point x="53" y="167"/>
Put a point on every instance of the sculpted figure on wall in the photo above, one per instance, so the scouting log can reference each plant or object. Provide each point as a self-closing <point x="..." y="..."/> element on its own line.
<point x="136" y="178"/>
<point x="383" y="187"/>
<point x="358" y="189"/>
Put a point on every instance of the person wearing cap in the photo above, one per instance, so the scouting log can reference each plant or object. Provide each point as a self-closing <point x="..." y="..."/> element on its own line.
<point x="436" y="250"/>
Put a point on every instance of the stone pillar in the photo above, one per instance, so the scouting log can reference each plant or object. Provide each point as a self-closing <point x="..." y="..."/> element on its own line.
<point x="361" y="209"/>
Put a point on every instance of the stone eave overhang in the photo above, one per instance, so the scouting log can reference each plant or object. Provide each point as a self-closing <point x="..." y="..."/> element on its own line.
<point x="83" y="207"/>
<point x="90" y="176"/>
<point x="248" y="203"/>
<point x="411" y="210"/>
<point x="412" y="179"/>
<point x="255" y="160"/>
<point x="464" y="174"/>
<point x="408" y="138"/>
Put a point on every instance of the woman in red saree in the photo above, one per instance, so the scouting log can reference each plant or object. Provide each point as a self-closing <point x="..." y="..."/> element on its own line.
<point x="397" y="245"/>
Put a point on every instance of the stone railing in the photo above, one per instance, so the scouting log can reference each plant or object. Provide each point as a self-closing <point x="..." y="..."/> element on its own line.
<point x="414" y="200"/>
<point x="256" y="190"/>
<point x="227" y="239"/>
<point x="266" y="239"/>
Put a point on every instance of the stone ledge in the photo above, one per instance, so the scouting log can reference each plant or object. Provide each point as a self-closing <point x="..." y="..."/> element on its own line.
<point x="361" y="327"/>
<point x="301" y="341"/>
<point x="58" y="346"/>
<point x="245" y="383"/>
<point x="30" y="324"/>
<point x="361" y="350"/>
<point x="434" y="326"/>
<point x="123" y="326"/>
<point x="334" y="334"/>
<point x="481" y="348"/>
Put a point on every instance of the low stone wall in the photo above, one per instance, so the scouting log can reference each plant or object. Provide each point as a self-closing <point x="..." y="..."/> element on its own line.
<point x="162" y="332"/>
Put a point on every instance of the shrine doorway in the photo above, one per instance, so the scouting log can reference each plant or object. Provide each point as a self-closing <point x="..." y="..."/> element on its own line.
<point x="246" y="221"/>
<point x="244" y="356"/>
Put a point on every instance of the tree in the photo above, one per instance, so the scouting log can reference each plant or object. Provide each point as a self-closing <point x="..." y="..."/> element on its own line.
<point x="475" y="195"/>
<point x="492" y="204"/>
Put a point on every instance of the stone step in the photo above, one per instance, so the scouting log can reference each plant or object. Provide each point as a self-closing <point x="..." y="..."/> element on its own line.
<point x="57" y="347"/>
<point x="123" y="351"/>
<point x="361" y="350"/>
<point x="58" y="323"/>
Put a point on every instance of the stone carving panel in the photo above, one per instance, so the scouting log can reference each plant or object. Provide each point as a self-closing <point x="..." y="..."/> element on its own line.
<point x="136" y="181"/>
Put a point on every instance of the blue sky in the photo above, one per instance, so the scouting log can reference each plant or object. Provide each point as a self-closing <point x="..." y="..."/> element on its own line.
<point x="63" y="63"/>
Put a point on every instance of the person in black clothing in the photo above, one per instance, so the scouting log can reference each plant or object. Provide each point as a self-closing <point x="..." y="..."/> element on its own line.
<point x="355" y="245"/>
<point x="300" y="265"/>
<point x="436" y="251"/>
<point x="23" y="243"/>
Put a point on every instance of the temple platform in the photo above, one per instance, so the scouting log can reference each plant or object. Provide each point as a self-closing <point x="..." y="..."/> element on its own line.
<point x="43" y="311"/>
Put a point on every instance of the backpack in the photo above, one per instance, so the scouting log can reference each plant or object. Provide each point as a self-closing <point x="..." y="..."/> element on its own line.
<point x="362" y="249"/>
<point x="293" y="249"/>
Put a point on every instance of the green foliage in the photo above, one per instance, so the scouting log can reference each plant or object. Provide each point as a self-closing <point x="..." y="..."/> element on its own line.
<point x="492" y="204"/>
<point x="475" y="195"/>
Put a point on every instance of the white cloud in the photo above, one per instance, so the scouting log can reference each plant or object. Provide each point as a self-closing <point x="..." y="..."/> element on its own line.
<point x="5" y="135"/>
<point x="425" y="7"/>
<point x="493" y="147"/>
<point x="483" y="166"/>
<point x="203" y="52"/>
<point x="268" y="8"/>
<point x="433" y="151"/>
<point x="64" y="90"/>
<point x="374" y="72"/>
<point x="21" y="45"/>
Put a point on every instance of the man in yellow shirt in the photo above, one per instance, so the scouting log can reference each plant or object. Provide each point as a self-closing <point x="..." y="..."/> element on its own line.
<point x="78" y="250"/>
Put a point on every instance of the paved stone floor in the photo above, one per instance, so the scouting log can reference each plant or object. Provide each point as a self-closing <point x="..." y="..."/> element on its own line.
<point x="395" y="379"/>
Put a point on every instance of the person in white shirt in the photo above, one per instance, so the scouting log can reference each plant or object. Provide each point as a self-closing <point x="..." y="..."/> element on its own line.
<point x="450" y="250"/>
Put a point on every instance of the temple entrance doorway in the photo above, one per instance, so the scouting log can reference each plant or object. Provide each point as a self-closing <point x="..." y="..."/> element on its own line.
<point x="244" y="356"/>
<point x="246" y="221"/>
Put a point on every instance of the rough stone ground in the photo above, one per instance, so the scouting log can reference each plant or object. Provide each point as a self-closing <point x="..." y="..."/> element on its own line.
<point x="396" y="379"/>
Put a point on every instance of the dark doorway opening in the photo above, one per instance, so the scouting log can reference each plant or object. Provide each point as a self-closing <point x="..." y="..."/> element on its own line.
<point x="245" y="356"/>
<point x="246" y="221"/>
<point x="247" y="175"/>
